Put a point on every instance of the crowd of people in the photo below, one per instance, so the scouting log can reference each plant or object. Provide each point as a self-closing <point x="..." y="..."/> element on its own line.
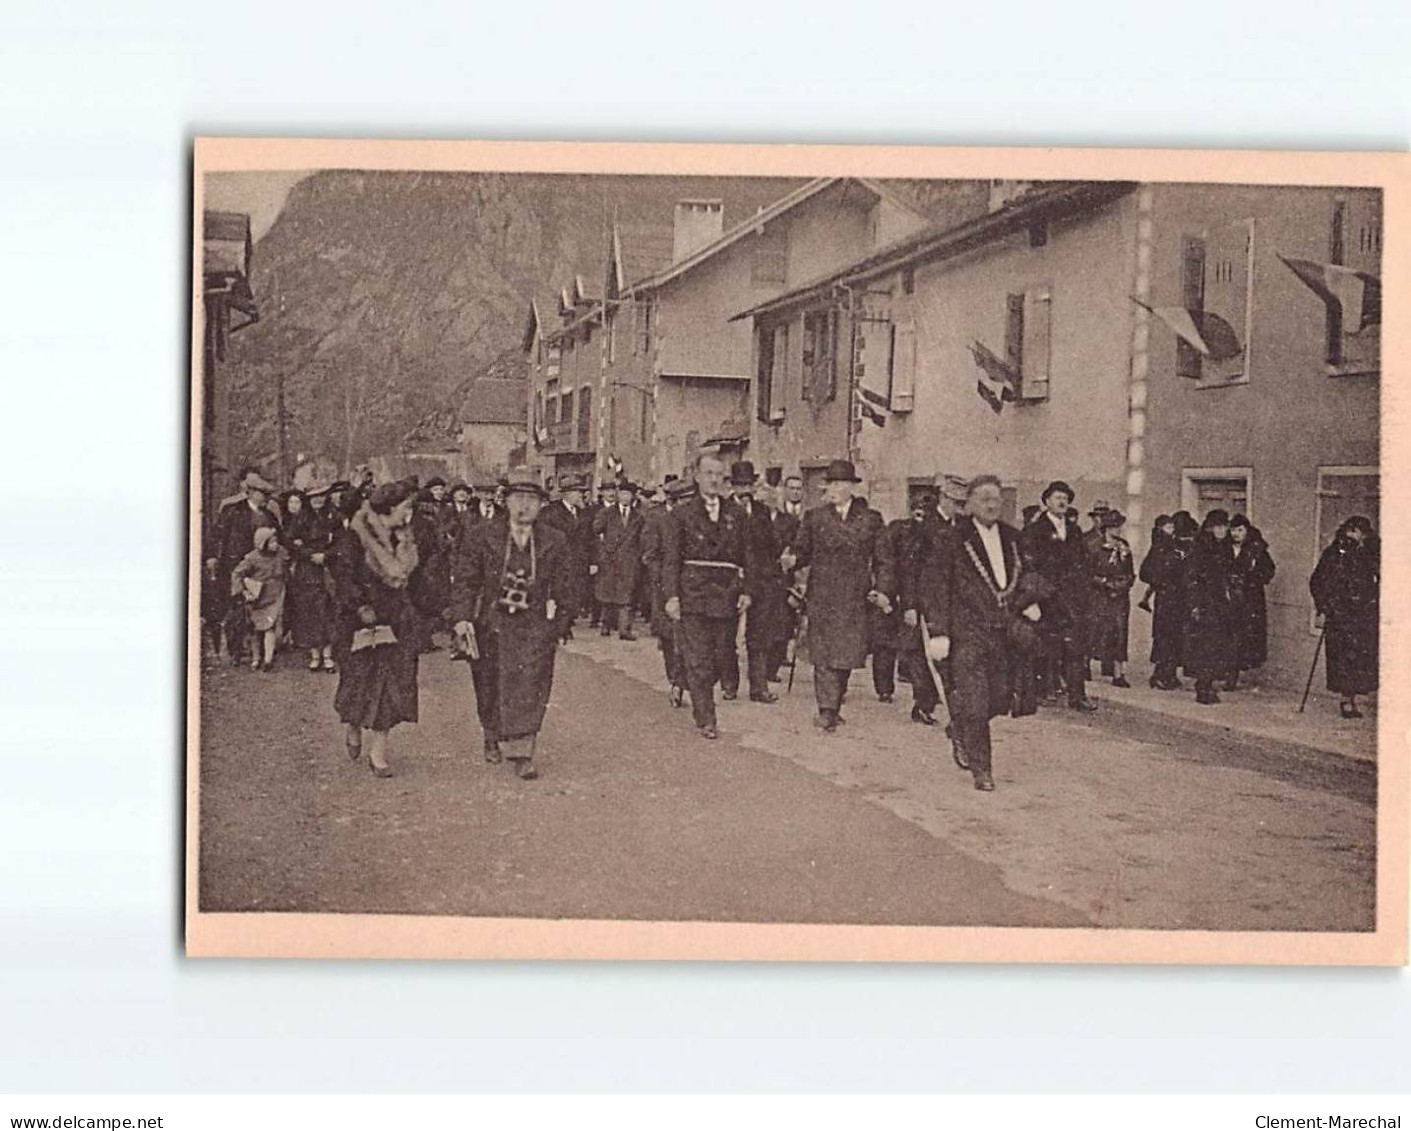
<point x="987" y="617"/>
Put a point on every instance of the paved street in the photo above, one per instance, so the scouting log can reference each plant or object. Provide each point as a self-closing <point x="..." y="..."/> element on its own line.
<point x="1117" y="820"/>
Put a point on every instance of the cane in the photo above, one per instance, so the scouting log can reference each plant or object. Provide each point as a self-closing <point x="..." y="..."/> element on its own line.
<point x="934" y="668"/>
<point x="1309" y="685"/>
<point x="794" y="659"/>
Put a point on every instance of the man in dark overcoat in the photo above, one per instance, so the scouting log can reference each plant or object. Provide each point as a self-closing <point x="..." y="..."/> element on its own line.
<point x="235" y="537"/>
<point x="617" y="558"/>
<point x="571" y="518"/>
<point x="938" y="525"/>
<point x="654" y="543"/>
<point x="510" y="587"/>
<point x="965" y="593"/>
<point x="704" y="578"/>
<point x="1055" y="546"/>
<point x="844" y="546"/>
<point x="768" y="623"/>
<point x="786" y="529"/>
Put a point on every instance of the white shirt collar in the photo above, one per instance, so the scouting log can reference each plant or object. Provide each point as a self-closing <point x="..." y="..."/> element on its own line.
<point x="1059" y="523"/>
<point x="994" y="550"/>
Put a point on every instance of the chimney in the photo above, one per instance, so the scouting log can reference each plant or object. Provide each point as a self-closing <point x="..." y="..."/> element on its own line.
<point x="698" y="222"/>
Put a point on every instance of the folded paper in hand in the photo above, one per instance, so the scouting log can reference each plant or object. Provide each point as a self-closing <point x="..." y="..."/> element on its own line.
<point x="373" y="637"/>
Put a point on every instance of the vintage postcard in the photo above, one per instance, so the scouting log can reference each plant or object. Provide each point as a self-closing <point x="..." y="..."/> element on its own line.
<point x="797" y="553"/>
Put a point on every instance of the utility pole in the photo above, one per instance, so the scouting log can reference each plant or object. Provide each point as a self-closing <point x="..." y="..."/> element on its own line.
<point x="281" y="423"/>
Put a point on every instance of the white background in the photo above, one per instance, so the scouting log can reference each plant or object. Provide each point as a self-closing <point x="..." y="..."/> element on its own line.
<point x="97" y="103"/>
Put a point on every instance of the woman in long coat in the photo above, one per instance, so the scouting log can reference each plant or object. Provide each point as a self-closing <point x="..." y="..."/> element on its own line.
<point x="1251" y="571"/>
<point x="375" y="574"/>
<point x="1209" y="638"/>
<point x="1113" y="575"/>
<point x="1163" y="568"/>
<point x="1346" y="588"/>
<point x="310" y="532"/>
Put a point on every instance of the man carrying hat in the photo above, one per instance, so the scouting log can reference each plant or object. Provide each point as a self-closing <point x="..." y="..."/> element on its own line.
<point x="971" y="590"/>
<point x="843" y="544"/>
<point x="704" y="580"/>
<point x="617" y="556"/>
<point x="1055" y="546"/>
<point x="511" y="583"/>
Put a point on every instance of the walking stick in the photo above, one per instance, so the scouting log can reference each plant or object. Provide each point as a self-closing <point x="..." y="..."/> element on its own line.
<point x="794" y="659"/>
<point x="1309" y="685"/>
<point x="934" y="668"/>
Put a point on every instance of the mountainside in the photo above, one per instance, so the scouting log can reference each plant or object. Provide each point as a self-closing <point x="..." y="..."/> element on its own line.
<point x="383" y="295"/>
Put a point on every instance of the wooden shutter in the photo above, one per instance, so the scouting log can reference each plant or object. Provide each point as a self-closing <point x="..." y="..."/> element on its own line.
<point x="1038" y="344"/>
<point x="764" y="374"/>
<point x="904" y="366"/>
<point x="1360" y="350"/>
<point x="778" y="373"/>
<point x="1229" y="251"/>
<point x="830" y="357"/>
<point x="1193" y="299"/>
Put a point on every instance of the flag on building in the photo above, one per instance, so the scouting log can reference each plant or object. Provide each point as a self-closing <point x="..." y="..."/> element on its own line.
<point x="870" y="406"/>
<point x="998" y="381"/>
<point x="1357" y="294"/>
<point x="1203" y="330"/>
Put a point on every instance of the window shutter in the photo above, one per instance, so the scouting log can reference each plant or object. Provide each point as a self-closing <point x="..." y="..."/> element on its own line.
<point x="903" y="366"/>
<point x="779" y="373"/>
<point x="1014" y="332"/>
<point x="1362" y="242"/>
<point x="830" y="355"/>
<point x="1229" y="251"/>
<point x="1037" y="348"/>
<point x="764" y="374"/>
<point x="1193" y="299"/>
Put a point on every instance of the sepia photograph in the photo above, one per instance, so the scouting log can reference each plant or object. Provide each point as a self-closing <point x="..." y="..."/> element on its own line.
<point x="689" y="551"/>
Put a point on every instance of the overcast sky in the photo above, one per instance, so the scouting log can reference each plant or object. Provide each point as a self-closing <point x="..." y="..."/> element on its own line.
<point x="261" y="195"/>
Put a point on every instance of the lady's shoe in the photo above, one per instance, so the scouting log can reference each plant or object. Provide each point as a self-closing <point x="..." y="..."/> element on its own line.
<point x="984" y="782"/>
<point x="379" y="771"/>
<point x="314" y="664"/>
<point x="329" y="665"/>
<point x="1120" y="681"/>
<point x="1350" y="711"/>
<point x="677" y="695"/>
<point x="353" y="743"/>
<point x="925" y="718"/>
<point x="708" y="731"/>
<point x="492" y="751"/>
<point x="525" y="769"/>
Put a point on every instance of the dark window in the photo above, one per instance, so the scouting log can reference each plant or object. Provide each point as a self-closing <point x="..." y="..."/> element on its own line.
<point x="771" y="256"/>
<point x="585" y="419"/>
<point x="764" y="375"/>
<point x="566" y="408"/>
<point x="1193" y="299"/>
<point x="819" y="356"/>
<point x="1014" y="332"/>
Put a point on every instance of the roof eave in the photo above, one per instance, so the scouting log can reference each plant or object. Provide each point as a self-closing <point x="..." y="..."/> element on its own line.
<point x="933" y="244"/>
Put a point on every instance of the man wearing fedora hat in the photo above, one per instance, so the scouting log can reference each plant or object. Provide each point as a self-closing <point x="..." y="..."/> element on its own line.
<point x="1054" y="544"/>
<point x="511" y="583"/>
<point x="844" y="545"/>
<point x="767" y="624"/>
<point x="571" y="518"/>
<point x="617" y="557"/>
<point x="236" y="525"/>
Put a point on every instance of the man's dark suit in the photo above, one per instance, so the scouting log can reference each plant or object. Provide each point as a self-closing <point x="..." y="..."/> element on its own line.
<point x="1062" y="562"/>
<point x="617" y="552"/>
<point x="703" y="564"/>
<point x="957" y="593"/>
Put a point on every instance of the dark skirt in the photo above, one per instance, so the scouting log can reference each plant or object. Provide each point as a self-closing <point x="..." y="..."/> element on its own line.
<point x="1107" y="639"/>
<point x="311" y="612"/>
<point x="377" y="687"/>
<point x="1167" y="632"/>
<point x="1352" y="654"/>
